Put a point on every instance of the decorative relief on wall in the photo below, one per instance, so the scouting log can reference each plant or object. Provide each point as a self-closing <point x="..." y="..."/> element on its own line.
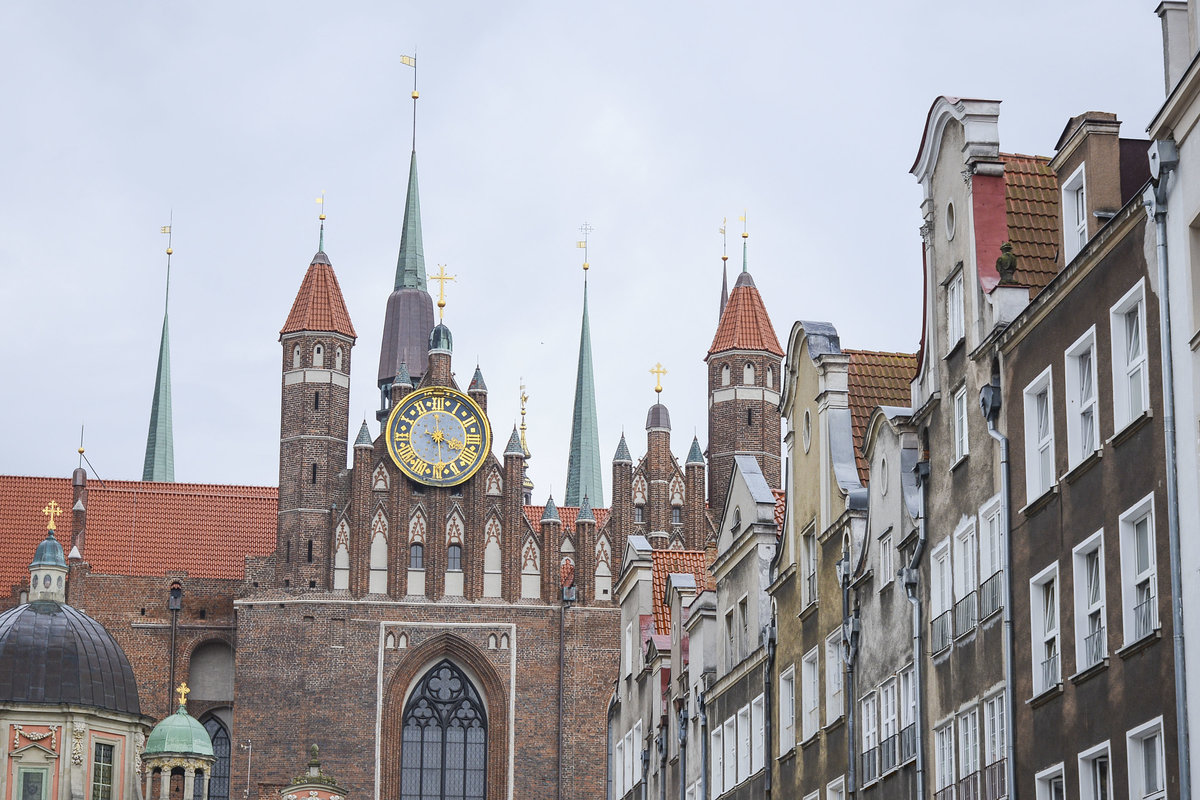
<point x="639" y="490"/>
<point x="495" y="485"/>
<point x="454" y="527"/>
<point x="531" y="557"/>
<point x="342" y="534"/>
<point x="51" y="733"/>
<point x="78" y="729"/>
<point x="380" y="482"/>
<point x="139" y="745"/>
<point x="379" y="525"/>
<point x="603" y="553"/>
<point x="676" y="491"/>
<point x="416" y="527"/>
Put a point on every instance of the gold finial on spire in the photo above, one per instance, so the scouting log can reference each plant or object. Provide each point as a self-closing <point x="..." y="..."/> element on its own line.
<point x="167" y="230"/>
<point x="742" y="219"/>
<point x="724" y="241"/>
<point x="411" y="61"/>
<point x="321" y="202"/>
<point x="183" y="691"/>
<point x="658" y="372"/>
<point x="51" y="510"/>
<point x="524" y="399"/>
<point x="585" y="229"/>
<point x="441" y="277"/>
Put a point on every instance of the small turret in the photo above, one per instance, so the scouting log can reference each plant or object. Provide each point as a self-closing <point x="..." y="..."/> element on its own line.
<point x="48" y="570"/>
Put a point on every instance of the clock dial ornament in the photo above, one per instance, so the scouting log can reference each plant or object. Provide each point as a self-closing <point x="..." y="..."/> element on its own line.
<point x="438" y="437"/>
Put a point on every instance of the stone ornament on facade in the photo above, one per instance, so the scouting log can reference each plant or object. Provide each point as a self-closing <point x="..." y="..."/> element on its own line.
<point x="139" y="744"/>
<point x="51" y="734"/>
<point x="78" y="729"/>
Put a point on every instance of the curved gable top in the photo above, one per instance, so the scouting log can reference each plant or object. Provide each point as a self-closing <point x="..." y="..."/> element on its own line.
<point x="981" y="134"/>
<point x="822" y="339"/>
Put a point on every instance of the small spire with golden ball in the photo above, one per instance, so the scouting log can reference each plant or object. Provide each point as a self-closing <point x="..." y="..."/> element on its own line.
<point x="441" y="278"/>
<point x="658" y="372"/>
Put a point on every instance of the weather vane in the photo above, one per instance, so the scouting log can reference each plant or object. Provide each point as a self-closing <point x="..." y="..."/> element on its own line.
<point x="658" y="372"/>
<point x="411" y="61"/>
<point x="585" y="229"/>
<point x="441" y="278"/>
<point x="321" y="217"/>
<point x="724" y="241"/>
<point x="166" y="229"/>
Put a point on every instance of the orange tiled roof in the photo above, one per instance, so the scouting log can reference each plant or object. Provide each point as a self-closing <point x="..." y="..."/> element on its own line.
<point x="319" y="305"/>
<point x="745" y="324"/>
<point x="141" y="528"/>
<point x="876" y="379"/>
<point x="565" y="513"/>
<point x="780" y="507"/>
<point x="666" y="562"/>
<point x="1032" y="205"/>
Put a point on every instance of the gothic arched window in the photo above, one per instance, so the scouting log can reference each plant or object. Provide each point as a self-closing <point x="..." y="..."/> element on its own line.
<point x="444" y="745"/>
<point x="218" y="784"/>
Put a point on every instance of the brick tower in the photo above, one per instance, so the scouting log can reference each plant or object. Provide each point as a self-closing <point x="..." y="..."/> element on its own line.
<point x="744" y="365"/>
<point x="313" y="425"/>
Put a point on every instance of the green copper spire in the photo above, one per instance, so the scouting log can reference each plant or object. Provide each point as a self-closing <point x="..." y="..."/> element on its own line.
<point x="410" y="267"/>
<point x="584" y="477"/>
<point x="160" y="441"/>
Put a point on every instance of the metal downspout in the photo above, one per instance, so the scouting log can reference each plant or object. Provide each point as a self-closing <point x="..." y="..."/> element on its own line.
<point x="911" y="576"/>
<point x="1010" y="766"/>
<point x="683" y="720"/>
<point x="704" y="755"/>
<point x="608" y="789"/>
<point x="1158" y="203"/>
<point x="849" y="653"/>
<point x="562" y="658"/>
<point x="768" y="707"/>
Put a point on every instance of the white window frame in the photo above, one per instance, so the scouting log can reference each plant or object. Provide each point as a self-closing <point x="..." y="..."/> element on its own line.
<point x="1135" y="744"/>
<point x="1087" y="764"/>
<point x="941" y="584"/>
<point x="1083" y="407"/>
<point x="870" y="722"/>
<point x="627" y="659"/>
<point x="943" y="756"/>
<point x="836" y="789"/>
<point x="1074" y="208"/>
<point x="834" y="697"/>
<point x="717" y="765"/>
<point x="808" y="567"/>
<point x="731" y="753"/>
<point x="1044" y="780"/>
<point x="810" y="695"/>
<point x="968" y="742"/>
<point x="1135" y="581"/>
<point x="1088" y="604"/>
<point x="955" y="311"/>
<point x="887" y="561"/>
<point x="730" y="640"/>
<point x="907" y="697"/>
<point x="965" y="559"/>
<point x="959" y="418"/>
<point x="889" y="720"/>
<point x="637" y="752"/>
<point x="619" y="767"/>
<point x="757" y="733"/>
<point x="994" y="721"/>
<point x="1039" y="444"/>
<point x="629" y="759"/>
<point x="1128" y="368"/>
<point x="744" y="736"/>
<point x="787" y="709"/>
<point x="1045" y="631"/>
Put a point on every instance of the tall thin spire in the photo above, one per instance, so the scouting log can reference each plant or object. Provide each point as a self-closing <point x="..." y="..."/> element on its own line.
<point x="410" y="267"/>
<point x="724" y="270"/>
<point x="584" y="476"/>
<point x="160" y="441"/>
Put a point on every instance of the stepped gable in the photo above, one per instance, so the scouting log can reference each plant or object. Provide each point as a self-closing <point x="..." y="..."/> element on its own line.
<point x="1031" y="202"/>
<point x="319" y="305"/>
<point x="566" y="514"/>
<point x="143" y="527"/>
<point x="666" y="563"/>
<point x="875" y="379"/>
<point x="745" y="324"/>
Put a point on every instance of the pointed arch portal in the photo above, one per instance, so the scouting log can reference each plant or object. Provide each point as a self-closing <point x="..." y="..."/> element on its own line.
<point x="444" y="741"/>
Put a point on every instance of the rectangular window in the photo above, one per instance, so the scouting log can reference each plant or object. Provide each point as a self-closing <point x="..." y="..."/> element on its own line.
<point x="102" y="772"/>
<point x="1043" y="609"/>
<point x="993" y="733"/>
<point x="908" y="716"/>
<point x="870" y="738"/>
<point x="809" y="695"/>
<point x="943" y="757"/>
<point x="1050" y="784"/>
<point x="637" y="752"/>
<point x="744" y="624"/>
<point x="676" y="515"/>
<point x="1139" y="571"/>
<point x="787" y="710"/>
<point x="629" y="758"/>
<point x="1147" y="767"/>
<point x="1074" y="208"/>
<point x="968" y="743"/>
<point x="1131" y="382"/>
<point x="758" y="734"/>
<point x="954" y="311"/>
<point x="1083" y="431"/>
<point x="1095" y="774"/>
<point x="743" y="743"/>
<point x="730" y="759"/>
<point x="619" y="768"/>
<point x="808" y="566"/>
<point x="834" y="699"/>
<point x="1039" y="437"/>
<point x="1091" y="644"/>
<point x="730" y="641"/>
<point x="887" y="564"/>
<point x="836" y="790"/>
<point x="889" y="725"/>
<point x="959" y="412"/>
<point x="717" y="766"/>
<point x="627" y="656"/>
<point x="942" y="597"/>
<point x="991" y="559"/>
<point x="966" y="578"/>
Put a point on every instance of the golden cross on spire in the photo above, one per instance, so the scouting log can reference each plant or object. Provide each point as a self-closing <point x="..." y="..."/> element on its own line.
<point x="585" y="229"/>
<point x="441" y="278"/>
<point x="658" y="372"/>
<point x="51" y="510"/>
<point x="183" y="691"/>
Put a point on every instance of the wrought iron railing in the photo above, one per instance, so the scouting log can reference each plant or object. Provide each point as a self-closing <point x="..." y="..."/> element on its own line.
<point x="870" y="765"/>
<point x="990" y="598"/>
<point x="993" y="780"/>
<point x="888" y="754"/>
<point x="939" y="638"/>
<point x="1094" y="648"/>
<point x="1050" y="674"/>
<point x="1144" y="617"/>
<point x="810" y="588"/>
<point x="968" y="787"/>
<point x="908" y="743"/>
<point x="964" y="614"/>
<point x="944" y="794"/>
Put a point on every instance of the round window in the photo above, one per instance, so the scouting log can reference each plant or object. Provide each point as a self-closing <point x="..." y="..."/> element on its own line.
<point x="883" y="476"/>
<point x="949" y="221"/>
<point x="806" y="432"/>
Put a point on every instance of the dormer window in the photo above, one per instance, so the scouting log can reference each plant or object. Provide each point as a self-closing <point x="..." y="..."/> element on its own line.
<point x="1074" y="206"/>
<point x="318" y="356"/>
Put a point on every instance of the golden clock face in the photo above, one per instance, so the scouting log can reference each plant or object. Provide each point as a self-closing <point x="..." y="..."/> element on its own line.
<point x="438" y="437"/>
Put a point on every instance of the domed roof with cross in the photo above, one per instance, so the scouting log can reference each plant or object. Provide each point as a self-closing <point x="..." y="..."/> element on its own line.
<point x="180" y="733"/>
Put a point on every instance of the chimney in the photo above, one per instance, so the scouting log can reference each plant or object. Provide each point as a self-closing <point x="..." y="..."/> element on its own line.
<point x="1177" y="48"/>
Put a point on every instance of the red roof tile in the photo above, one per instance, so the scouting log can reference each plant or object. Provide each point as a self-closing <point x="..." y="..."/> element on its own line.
<point x="666" y="562"/>
<point x="745" y="324"/>
<point x="141" y="528"/>
<point x="565" y="513"/>
<point x="876" y="379"/>
<point x="319" y="305"/>
<point x="1031" y="200"/>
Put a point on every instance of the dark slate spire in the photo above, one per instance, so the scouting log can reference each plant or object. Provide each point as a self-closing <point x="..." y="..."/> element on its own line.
<point x="724" y="287"/>
<point x="477" y="384"/>
<point x="159" y="464"/>
<point x="695" y="455"/>
<point x="622" y="456"/>
<point x="551" y="512"/>
<point x="585" y="511"/>
<point x="402" y="377"/>
<point x="364" y="436"/>
<point x="583" y="464"/>
<point x="514" y="445"/>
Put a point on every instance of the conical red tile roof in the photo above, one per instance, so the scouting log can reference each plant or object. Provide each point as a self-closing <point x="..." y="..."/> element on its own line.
<point x="745" y="324"/>
<point x="319" y="305"/>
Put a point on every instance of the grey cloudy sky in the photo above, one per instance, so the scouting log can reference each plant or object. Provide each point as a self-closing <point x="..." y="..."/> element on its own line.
<point x="651" y="121"/>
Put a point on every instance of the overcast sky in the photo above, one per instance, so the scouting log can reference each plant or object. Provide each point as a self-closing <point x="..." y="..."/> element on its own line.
<point x="650" y="121"/>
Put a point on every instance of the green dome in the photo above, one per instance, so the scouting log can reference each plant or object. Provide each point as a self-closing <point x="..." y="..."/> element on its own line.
<point x="179" y="733"/>
<point x="440" y="339"/>
<point x="49" y="553"/>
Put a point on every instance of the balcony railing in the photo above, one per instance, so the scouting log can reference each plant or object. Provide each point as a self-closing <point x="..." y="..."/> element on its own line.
<point x="964" y="615"/>
<point x="908" y="743"/>
<point x="887" y="754"/>
<point x="940" y="636"/>
<point x="810" y="588"/>
<point x="870" y="765"/>
<point x="968" y="787"/>
<point x="944" y="794"/>
<point x="1145" y="620"/>
<point x="989" y="595"/>
<point x="1094" y="648"/>
<point x="1050" y="674"/>
<point x="993" y="780"/>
